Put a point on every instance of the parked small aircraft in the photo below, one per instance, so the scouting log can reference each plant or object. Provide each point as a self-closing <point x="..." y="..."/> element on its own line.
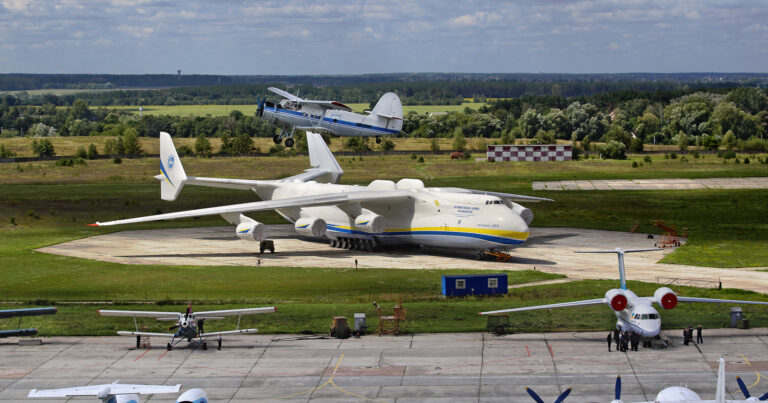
<point x="293" y="113"/>
<point x="674" y="394"/>
<point x="115" y="392"/>
<point x="189" y="325"/>
<point x="358" y="217"/>
<point x="633" y="313"/>
<point x="19" y="313"/>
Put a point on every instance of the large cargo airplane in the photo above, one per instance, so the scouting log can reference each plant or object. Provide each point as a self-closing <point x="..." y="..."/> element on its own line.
<point x="333" y="117"/>
<point x="359" y="217"/>
<point x="633" y="313"/>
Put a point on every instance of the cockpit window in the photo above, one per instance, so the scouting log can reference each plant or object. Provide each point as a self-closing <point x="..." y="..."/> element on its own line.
<point x="487" y="202"/>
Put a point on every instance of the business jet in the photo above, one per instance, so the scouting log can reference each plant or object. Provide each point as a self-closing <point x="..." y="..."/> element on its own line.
<point x="633" y="313"/>
<point x="189" y="325"/>
<point x="333" y="117"/>
<point x="357" y="217"/>
<point x="18" y="313"/>
<point x="123" y="393"/>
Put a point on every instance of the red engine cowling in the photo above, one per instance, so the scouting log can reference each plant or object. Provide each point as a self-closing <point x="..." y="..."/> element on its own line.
<point x="665" y="297"/>
<point x="616" y="299"/>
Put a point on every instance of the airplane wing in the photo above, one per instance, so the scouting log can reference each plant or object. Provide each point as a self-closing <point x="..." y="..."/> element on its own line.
<point x="239" y="331"/>
<point x="596" y="301"/>
<point x="234" y="312"/>
<point x="300" y="201"/>
<point x="126" y="333"/>
<point x="509" y="196"/>
<point x="14" y="313"/>
<point x="717" y="301"/>
<point x="285" y="94"/>
<point x="105" y="390"/>
<point x="141" y="314"/>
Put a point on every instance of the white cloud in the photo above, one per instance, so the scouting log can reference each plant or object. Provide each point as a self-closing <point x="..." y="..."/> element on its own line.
<point x="17" y="5"/>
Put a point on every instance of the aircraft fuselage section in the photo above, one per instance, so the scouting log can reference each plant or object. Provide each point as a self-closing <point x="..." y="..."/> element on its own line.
<point x="439" y="219"/>
<point x="639" y="316"/>
<point x="338" y="122"/>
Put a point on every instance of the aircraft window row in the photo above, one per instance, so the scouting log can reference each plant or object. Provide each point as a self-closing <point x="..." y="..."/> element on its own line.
<point x="494" y="202"/>
<point x="363" y="125"/>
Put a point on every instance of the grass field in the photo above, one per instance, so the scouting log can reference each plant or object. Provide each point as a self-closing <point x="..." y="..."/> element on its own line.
<point x="41" y="204"/>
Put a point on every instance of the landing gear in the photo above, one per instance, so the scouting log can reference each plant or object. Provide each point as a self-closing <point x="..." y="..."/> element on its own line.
<point x="368" y="245"/>
<point x="378" y="140"/>
<point x="289" y="142"/>
<point x="169" y="347"/>
<point x="277" y="139"/>
<point x="205" y="346"/>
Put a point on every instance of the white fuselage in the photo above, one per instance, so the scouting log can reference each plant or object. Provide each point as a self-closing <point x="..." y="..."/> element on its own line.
<point x="430" y="217"/>
<point x="638" y="317"/>
<point x="338" y="122"/>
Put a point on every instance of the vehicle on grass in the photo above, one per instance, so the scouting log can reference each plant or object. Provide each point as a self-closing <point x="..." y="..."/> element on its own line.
<point x="333" y="117"/>
<point x="189" y="325"/>
<point x="633" y="314"/>
<point x="357" y="217"/>
<point x="117" y="392"/>
<point x="19" y="313"/>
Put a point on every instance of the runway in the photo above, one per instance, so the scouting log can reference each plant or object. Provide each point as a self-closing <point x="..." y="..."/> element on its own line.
<point x="438" y="368"/>
<point x="548" y="249"/>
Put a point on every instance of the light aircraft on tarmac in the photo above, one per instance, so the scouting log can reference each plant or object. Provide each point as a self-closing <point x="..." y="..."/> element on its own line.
<point x="189" y="325"/>
<point x="19" y="313"/>
<point x="117" y="392"/>
<point x="633" y="313"/>
<point x="674" y="394"/>
<point x="293" y="113"/>
<point x="359" y="217"/>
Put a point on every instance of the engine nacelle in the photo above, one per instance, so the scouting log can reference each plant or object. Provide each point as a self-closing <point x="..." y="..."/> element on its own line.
<point x="665" y="297"/>
<point x="525" y="213"/>
<point x="126" y="398"/>
<point x="310" y="226"/>
<point x="195" y="395"/>
<point x="617" y="299"/>
<point x="372" y="223"/>
<point x="251" y="230"/>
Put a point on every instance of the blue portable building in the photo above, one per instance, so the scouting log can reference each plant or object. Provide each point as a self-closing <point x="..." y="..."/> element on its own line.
<point x="474" y="284"/>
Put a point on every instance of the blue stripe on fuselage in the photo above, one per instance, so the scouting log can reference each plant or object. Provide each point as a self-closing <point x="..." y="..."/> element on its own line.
<point x="491" y="238"/>
<point x="338" y="121"/>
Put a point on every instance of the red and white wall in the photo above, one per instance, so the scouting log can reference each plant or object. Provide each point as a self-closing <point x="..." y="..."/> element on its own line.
<point x="543" y="152"/>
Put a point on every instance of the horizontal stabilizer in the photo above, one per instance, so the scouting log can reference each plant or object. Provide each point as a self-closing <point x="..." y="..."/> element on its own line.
<point x="105" y="390"/>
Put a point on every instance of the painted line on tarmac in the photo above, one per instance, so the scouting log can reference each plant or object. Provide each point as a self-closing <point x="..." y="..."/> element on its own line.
<point x="142" y="354"/>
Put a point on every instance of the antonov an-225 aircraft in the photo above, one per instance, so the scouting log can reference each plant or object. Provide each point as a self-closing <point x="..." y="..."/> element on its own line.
<point x="633" y="313"/>
<point x="333" y="117"/>
<point x="359" y="217"/>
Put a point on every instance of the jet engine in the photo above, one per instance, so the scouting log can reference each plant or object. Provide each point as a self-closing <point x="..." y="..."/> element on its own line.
<point x="251" y="230"/>
<point x="616" y="299"/>
<point x="310" y="226"/>
<point x="525" y="213"/>
<point x="193" y="396"/>
<point x="372" y="223"/>
<point x="665" y="297"/>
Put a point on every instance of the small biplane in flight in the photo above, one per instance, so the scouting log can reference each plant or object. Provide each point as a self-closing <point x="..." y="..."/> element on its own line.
<point x="189" y="325"/>
<point x="333" y="117"/>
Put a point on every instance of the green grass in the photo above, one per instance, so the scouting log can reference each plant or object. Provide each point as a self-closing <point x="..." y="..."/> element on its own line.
<point x="426" y="312"/>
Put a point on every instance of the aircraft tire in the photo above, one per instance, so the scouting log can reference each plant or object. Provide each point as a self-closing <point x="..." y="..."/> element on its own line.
<point x="277" y="139"/>
<point x="289" y="142"/>
<point x="378" y="140"/>
<point x="333" y="243"/>
<point x="169" y="347"/>
<point x="205" y="346"/>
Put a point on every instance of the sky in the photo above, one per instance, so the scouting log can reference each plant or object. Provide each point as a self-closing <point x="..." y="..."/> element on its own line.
<point x="355" y="37"/>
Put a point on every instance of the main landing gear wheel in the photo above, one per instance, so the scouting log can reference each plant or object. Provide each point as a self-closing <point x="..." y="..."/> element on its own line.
<point x="169" y="347"/>
<point x="289" y="142"/>
<point x="378" y="140"/>
<point x="277" y="139"/>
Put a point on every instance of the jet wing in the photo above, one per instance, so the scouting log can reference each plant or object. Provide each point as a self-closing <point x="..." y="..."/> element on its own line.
<point x="509" y="196"/>
<point x="141" y="314"/>
<point x="597" y="301"/>
<point x="300" y="201"/>
<point x="234" y="312"/>
<point x="105" y="390"/>
<point x="14" y="313"/>
<point x="715" y="301"/>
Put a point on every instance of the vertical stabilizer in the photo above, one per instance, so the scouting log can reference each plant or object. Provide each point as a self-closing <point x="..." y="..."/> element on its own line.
<point x="620" y="252"/>
<point x="320" y="157"/>
<point x="390" y="107"/>
<point x="172" y="176"/>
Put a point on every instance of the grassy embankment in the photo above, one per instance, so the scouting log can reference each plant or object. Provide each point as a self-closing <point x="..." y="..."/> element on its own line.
<point x="51" y="204"/>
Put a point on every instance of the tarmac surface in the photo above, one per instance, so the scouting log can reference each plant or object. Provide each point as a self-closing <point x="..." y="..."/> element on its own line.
<point x="548" y="249"/>
<point x="655" y="184"/>
<point x="471" y="367"/>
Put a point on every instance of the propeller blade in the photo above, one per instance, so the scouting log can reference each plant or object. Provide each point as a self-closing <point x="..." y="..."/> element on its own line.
<point x="563" y="395"/>
<point x="763" y="397"/>
<point x="617" y="389"/>
<point x="173" y="327"/>
<point x="533" y="395"/>
<point x="743" y="387"/>
<point x="189" y="310"/>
